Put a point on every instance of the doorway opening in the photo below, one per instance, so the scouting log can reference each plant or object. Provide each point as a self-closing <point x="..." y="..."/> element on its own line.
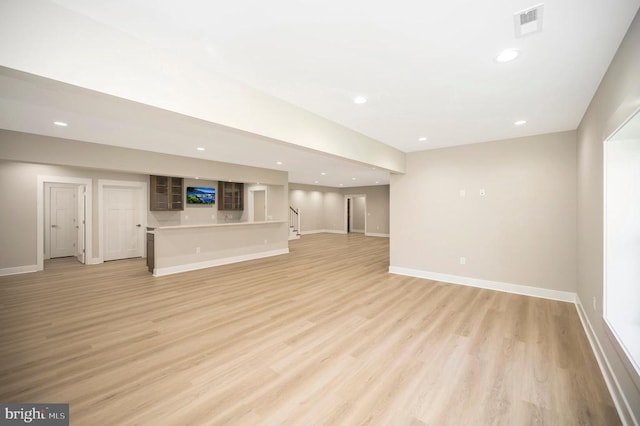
<point x="257" y="203"/>
<point x="64" y="219"/>
<point x="355" y="216"/>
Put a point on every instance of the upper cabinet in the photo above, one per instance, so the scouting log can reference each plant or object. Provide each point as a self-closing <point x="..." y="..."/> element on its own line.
<point x="166" y="193"/>
<point x="230" y="196"/>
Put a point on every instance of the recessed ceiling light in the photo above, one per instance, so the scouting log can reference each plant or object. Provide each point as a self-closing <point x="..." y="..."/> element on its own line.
<point x="315" y="182"/>
<point x="323" y="173"/>
<point x="359" y="100"/>
<point x="200" y="148"/>
<point x="520" y="123"/>
<point x="340" y="184"/>
<point x="507" y="55"/>
<point x="422" y="138"/>
<point x="279" y="163"/>
<point x="60" y="123"/>
<point x="353" y="178"/>
<point x="197" y="178"/>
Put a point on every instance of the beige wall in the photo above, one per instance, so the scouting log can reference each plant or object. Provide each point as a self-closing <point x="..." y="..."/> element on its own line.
<point x="323" y="208"/>
<point x="310" y="201"/>
<point x="377" y="207"/>
<point x="615" y="99"/>
<point x="523" y="231"/>
<point x="18" y="226"/>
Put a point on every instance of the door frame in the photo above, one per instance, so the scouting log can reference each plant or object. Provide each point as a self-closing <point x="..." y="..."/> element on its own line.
<point x="346" y="215"/>
<point x="250" y="201"/>
<point x="79" y="189"/>
<point x="88" y="189"/>
<point x="143" y="210"/>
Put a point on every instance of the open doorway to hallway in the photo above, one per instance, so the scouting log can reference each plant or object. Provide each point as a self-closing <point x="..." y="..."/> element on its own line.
<point x="355" y="213"/>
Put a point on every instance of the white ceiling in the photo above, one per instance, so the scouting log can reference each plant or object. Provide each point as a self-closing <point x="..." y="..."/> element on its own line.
<point x="427" y="69"/>
<point x="30" y="104"/>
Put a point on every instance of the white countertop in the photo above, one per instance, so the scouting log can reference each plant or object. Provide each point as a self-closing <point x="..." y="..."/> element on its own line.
<point x="212" y="225"/>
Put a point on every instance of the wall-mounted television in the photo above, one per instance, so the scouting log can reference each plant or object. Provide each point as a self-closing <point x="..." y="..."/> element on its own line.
<point x="201" y="195"/>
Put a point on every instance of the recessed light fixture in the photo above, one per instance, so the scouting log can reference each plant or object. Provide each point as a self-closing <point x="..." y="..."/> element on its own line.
<point x="200" y="148"/>
<point x="315" y="182"/>
<point x="279" y="163"/>
<point x="60" y="123"/>
<point x="340" y="184"/>
<point x="507" y="55"/>
<point x="422" y="138"/>
<point x="353" y="178"/>
<point x="197" y="178"/>
<point x="377" y="182"/>
<point x="520" y="123"/>
<point x="323" y="173"/>
<point x="359" y="100"/>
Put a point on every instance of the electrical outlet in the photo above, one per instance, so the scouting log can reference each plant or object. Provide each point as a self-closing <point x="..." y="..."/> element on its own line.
<point x="483" y="192"/>
<point x="463" y="260"/>
<point x="595" y="307"/>
<point x="463" y="193"/>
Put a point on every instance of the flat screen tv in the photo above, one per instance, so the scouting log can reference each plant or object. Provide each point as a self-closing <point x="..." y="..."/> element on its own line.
<point x="201" y="195"/>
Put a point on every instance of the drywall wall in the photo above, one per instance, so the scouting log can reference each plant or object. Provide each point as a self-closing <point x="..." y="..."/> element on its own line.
<point x="310" y="201"/>
<point x="377" y="207"/>
<point x="508" y="207"/>
<point x="18" y="226"/>
<point x="616" y="98"/>
<point x="323" y="208"/>
<point x="47" y="40"/>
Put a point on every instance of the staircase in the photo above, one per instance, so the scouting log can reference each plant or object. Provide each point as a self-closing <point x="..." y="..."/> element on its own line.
<point x="294" y="223"/>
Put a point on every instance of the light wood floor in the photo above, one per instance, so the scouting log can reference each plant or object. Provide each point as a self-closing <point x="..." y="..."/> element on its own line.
<point x="321" y="336"/>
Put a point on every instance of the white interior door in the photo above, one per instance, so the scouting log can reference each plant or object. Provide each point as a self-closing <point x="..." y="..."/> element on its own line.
<point x="64" y="221"/>
<point x="123" y="233"/>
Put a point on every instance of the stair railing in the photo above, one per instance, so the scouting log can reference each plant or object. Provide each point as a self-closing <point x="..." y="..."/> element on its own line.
<point x="294" y="220"/>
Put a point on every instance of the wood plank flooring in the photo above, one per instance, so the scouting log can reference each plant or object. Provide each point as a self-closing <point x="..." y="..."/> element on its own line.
<point x="323" y="335"/>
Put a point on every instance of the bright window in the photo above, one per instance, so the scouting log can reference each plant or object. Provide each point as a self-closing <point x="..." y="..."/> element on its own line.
<point x="622" y="238"/>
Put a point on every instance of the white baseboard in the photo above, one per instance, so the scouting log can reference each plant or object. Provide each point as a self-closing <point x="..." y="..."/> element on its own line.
<point x="322" y="231"/>
<point x="564" y="296"/>
<point x="294" y="237"/>
<point x="18" y="270"/>
<point x="93" y="261"/>
<point x="159" y="272"/>
<point x="374" y="234"/>
<point x="620" y="401"/>
<point x="360" y="231"/>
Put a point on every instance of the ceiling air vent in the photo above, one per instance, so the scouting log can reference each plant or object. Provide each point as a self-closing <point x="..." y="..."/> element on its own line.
<point x="528" y="21"/>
